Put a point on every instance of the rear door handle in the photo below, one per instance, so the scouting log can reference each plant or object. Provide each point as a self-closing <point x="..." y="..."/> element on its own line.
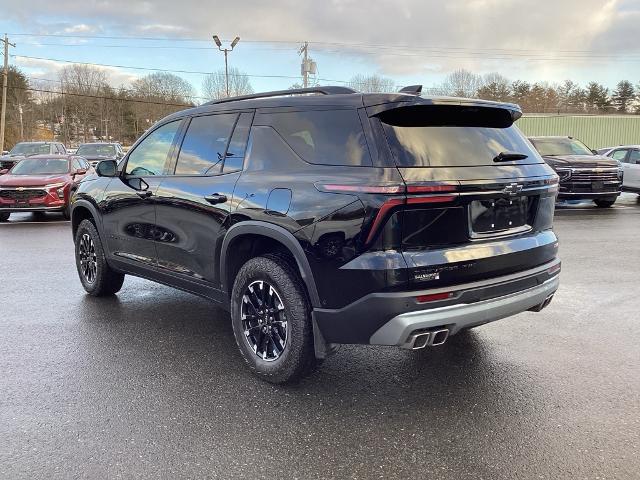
<point x="215" y="198"/>
<point x="144" y="193"/>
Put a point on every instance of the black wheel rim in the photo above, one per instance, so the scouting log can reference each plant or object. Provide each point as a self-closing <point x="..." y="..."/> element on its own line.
<point x="264" y="320"/>
<point x="88" y="259"/>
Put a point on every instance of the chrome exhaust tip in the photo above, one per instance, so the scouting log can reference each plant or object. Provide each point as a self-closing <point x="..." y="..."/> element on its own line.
<point x="438" y="337"/>
<point x="431" y="338"/>
<point x="416" y="341"/>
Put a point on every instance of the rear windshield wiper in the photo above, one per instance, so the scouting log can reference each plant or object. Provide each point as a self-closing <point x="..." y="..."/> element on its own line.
<point x="509" y="157"/>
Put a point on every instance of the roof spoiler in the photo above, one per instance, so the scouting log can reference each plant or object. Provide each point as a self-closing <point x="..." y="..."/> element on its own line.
<point x="412" y="90"/>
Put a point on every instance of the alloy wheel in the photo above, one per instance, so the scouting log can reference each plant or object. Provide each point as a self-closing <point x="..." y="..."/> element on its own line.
<point x="88" y="258"/>
<point x="264" y="320"/>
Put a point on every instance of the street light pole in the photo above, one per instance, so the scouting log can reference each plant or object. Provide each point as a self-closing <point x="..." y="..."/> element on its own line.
<point x="226" y="53"/>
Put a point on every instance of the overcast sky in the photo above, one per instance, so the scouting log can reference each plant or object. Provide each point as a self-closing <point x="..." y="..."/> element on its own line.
<point x="411" y="41"/>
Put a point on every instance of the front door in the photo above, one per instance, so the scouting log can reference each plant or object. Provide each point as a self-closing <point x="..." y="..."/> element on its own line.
<point x="632" y="170"/>
<point x="194" y="203"/>
<point x="129" y="205"/>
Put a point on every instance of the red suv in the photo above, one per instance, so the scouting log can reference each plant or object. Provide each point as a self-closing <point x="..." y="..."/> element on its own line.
<point x="41" y="183"/>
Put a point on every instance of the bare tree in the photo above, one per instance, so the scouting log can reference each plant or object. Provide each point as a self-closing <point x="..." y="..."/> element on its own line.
<point x="461" y="83"/>
<point x="84" y="83"/>
<point x="157" y="95"/>
<point x="372" y="84"/>
<point x="214" y="85"/>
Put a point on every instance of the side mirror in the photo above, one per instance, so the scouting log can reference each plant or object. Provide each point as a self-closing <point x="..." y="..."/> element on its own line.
<point x="595" y="152"/>
<point x="5" y="152"/>
<point x="3" y="171"/>
<point x="107" y="168"/>
<point x="81" y="171"/>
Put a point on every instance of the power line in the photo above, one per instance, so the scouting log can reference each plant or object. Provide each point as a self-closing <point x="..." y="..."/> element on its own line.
<point x="320" y="43"/>
<point x="194" y="72"/>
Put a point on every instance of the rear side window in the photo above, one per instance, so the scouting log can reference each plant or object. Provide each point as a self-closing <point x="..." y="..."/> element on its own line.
<point x="204" y="144"/>
<point x="235" y="152"/>
<point x="331" y="137"/>
<point x="445" y="136"/>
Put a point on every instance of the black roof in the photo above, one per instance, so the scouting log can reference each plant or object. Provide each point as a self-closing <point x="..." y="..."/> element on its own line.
<point x="336" y="96"/>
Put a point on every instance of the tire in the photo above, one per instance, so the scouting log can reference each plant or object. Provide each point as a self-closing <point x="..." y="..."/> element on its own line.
<point x="4" y="216"/>
<point x="97" y="278"/>
<point x="604" y="203"/>
<point x="276" y="283"/>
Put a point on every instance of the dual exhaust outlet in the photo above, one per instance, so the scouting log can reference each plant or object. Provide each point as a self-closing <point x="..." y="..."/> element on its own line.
<point x="430" y="338"/>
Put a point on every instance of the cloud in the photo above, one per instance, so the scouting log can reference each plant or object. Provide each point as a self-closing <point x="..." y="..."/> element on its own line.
<point x="403" y="37"/>
<point x="81" y="28"/>
<point x="49" y="71"/>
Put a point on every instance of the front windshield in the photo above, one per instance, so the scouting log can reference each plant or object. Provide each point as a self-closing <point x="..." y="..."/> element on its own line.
<point x="41" y="166"/>
<point x="552" y="147"/>
<point x="93" y="150"/>
<point x="30" y="149"/>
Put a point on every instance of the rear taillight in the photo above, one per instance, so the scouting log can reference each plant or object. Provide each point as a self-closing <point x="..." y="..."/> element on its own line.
<point x="412" y="194"/>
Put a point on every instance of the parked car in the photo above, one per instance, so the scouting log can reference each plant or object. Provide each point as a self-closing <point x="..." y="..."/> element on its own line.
<point x="629" y="158"/>
<point x="98" y="151"/>
<point x="26" y="149"/>
<point x="584" y="175"/>
<point x="42" y="183"/>
<point x="323" y="216"/>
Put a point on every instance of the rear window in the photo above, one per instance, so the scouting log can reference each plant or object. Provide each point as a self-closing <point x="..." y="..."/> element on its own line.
<point x="331" y="137"/>
<point x="445" y="136"/>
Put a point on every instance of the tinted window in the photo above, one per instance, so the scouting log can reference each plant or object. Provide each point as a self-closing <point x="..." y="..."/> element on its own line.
<point x="238" y="144"/>
<point x="203" y="147"/>
<point x="41" y="166"/>
<point x="560" y="146"/>
<point x="30" y="149"/>
<point x="150" y="155"/>
<point x="427" y="136"/>
<point x="634" y="157"/>
<point x="98" y="150"/>
<point x="76" y="164"/>
<point x="619" y="155"/>
<point x="333" y="137"/>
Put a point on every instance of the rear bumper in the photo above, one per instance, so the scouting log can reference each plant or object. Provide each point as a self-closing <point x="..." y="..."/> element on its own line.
<point x="389" y="318"/>
<point x="458" y="317"/>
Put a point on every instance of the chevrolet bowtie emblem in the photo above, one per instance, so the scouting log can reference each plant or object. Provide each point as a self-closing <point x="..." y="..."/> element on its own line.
<point x="513" y="189"/>
<point x="20" y="189"/>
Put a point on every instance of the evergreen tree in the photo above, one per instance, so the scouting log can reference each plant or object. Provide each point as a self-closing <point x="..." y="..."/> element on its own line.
<point x="623" y="96"/>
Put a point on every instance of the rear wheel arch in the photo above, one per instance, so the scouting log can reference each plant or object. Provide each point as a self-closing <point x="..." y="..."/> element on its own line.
<point x="249" y="239"/>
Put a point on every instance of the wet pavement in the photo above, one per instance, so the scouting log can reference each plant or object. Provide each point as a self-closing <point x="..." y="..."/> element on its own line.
<point x="149" y="383"/>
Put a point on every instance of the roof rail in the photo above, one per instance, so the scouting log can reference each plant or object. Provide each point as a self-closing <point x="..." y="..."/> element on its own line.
<point x="329" y="90"/>
<point x="412" y="89"/>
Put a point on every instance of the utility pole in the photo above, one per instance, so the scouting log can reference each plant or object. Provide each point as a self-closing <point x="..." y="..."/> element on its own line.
<point x="226" y="52"/>
<point x="5" y="79"/>
<point x="308" y="65"/>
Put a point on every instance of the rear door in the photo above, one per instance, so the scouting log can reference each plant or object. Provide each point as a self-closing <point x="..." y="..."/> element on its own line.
<point x="479" y="196"/>
<point x="193" y="203"/>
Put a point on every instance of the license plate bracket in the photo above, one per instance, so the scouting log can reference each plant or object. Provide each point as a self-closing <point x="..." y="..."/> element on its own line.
<point x="497" y="215"/>
<point x="597" y="186"/>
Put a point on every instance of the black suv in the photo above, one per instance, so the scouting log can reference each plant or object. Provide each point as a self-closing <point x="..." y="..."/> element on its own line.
<point x="324" y="216"/>
<point x="583" y="173"/>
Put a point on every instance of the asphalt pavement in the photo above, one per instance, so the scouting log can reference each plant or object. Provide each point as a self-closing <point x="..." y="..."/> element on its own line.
<point x="149" y="384"/>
